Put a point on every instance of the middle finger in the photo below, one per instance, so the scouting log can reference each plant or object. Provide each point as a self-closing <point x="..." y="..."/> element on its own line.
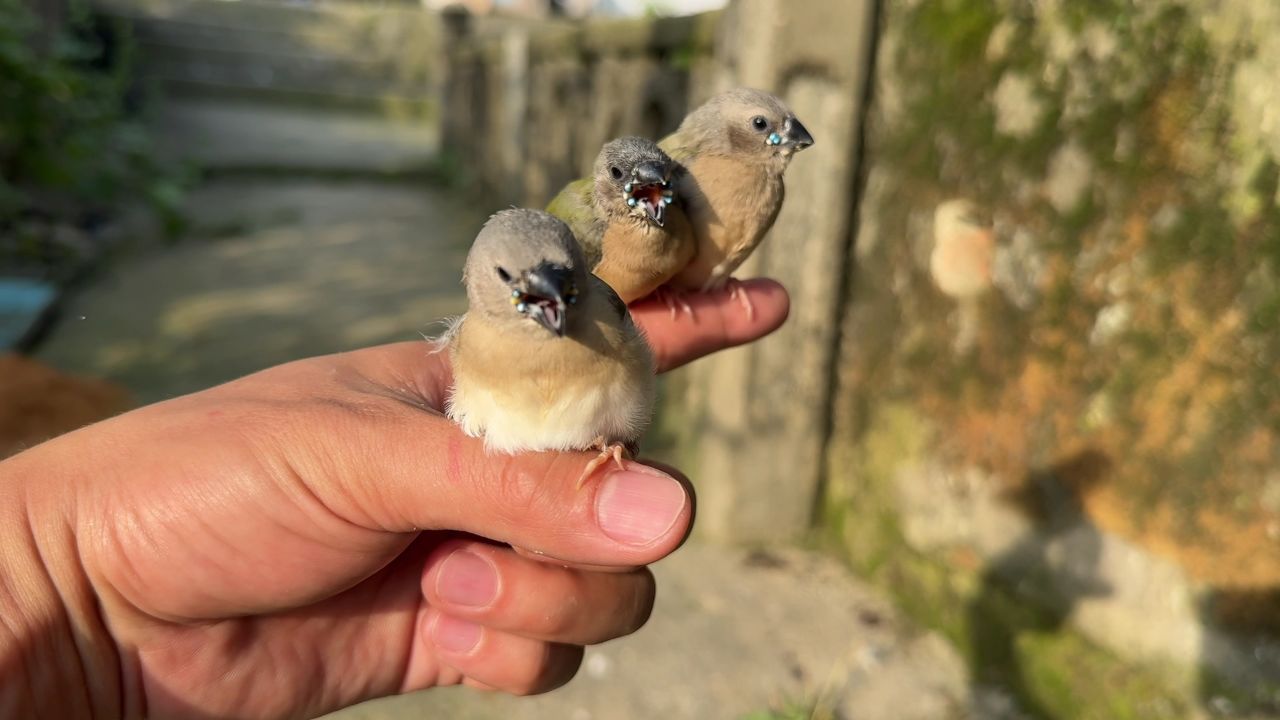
<point x="494" y="586"/>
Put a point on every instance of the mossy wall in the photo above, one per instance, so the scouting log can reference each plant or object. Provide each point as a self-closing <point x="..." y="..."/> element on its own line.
<point x="1058" y="393"/>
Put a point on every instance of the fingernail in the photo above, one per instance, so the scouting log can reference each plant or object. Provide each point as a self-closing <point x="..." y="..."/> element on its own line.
<point x="638" y="508"/>
<point x="467" y="579"/>
<point x="454" y="635"/>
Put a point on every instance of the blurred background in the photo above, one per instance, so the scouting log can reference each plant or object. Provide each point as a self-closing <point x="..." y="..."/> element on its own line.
<point x="1016" y="454"/>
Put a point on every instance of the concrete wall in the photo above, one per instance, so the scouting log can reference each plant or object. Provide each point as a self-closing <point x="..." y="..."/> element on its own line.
<point x="1057" y="403"/>
<point x="756" y="418"/>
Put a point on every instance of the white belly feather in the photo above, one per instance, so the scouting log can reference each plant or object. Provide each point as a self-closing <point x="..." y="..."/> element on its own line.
<point x="513" y="421"/>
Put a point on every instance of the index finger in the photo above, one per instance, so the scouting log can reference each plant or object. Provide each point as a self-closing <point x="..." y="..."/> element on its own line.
<point x="718" y="321"/>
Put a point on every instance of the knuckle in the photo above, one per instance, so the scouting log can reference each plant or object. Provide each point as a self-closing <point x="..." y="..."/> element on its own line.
<point x="524" y="489"/>
<point x="557" y="666"/>
<point x="515" y="488"/>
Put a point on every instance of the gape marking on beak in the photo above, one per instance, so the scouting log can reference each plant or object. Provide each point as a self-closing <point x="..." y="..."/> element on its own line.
<point x="522" y="300"/>
<point x="543" y="294"/>
<point x="652" y="198"/>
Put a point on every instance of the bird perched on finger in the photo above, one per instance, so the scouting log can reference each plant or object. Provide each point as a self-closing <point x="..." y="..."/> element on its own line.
<point x="735" y="149"/>
<point x="626" y="216"/>
<point x="547" y="356"/>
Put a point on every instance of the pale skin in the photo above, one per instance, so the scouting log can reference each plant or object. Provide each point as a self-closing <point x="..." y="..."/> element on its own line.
<point x="318" y="534"/>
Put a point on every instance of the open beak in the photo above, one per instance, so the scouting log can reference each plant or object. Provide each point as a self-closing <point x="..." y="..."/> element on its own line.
<point x="648" y="190"/>
<point x="797" y="137"/>
<point x="550" y="291"/>
<point x="650" y="173"/>
<point x="655" y="211"/>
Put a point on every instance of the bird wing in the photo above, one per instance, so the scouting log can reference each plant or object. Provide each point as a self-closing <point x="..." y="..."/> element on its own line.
<point x="615" y="301"/>
<point x="573" y="205"/>
<point x="676" y="148"/>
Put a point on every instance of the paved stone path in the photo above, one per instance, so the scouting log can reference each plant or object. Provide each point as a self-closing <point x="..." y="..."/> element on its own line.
<point x="736" y="633"/>
<point x="319" y="267"/>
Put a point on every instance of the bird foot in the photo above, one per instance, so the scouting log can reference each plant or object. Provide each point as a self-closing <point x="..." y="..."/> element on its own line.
<point x="608" y="451"/>
<point x="674" y="300"/>
<point x="738" y="291"/>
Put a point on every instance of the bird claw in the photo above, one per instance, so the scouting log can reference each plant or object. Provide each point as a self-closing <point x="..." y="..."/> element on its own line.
<point x="674" y="300"/>
<point x="738" y="291"/>
<point x="608" y="451"/>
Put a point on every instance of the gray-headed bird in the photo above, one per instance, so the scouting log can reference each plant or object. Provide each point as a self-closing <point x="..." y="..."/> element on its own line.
<point x="735" y="149"/>
<point x="632" y="229"/>
<point x="547" y="356"/>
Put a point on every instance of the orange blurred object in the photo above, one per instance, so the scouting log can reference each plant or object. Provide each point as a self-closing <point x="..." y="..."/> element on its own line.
<point x="38" y="402"/>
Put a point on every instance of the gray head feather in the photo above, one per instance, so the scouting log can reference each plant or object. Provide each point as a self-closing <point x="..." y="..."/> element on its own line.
<point x="737" y="122"/>
<point x="624" y="161"/>
<point x="510" y="246"/>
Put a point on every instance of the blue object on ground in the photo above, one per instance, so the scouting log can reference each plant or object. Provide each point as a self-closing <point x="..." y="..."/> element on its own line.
<point x="23" y="304"/>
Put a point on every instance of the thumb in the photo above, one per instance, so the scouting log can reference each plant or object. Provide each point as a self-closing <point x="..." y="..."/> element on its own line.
<point x="405" y="467"/>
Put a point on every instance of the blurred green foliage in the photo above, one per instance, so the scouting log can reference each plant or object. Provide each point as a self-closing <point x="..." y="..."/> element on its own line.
<point x="69" y="151"/>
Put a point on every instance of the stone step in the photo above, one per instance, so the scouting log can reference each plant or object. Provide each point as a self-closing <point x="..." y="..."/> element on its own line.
<point x="272" y="40"/>
<point x="237" y="135"/>
<point x="389" y="38"/>
<point x="254" y="15"/>
<point x="341" y="53"/>
<point x="286" y="72"/>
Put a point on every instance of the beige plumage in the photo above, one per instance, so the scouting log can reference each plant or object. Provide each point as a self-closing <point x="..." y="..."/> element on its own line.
<point x="547" y="356"/>
<point x="631" y="226"/>
<point x="735" y="149"/>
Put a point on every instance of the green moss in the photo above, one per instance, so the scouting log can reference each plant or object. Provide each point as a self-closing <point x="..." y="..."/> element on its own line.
<point x="682" y="58"/>
<point x="1086" y="682"/>
<point x="1010" y="642"/>
<point x="617" y="36"/>
<point x="958" y="28"/>
<point x="1161" y="85"/>
<point x="671" y="438"/>
<point x="1227" y="697"/>
<point x="1017" y="640"/>
<point x="859" y="505"/>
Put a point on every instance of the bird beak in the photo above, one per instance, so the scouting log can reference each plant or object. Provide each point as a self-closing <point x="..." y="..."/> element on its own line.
<point x="648" y="190"/>
<point x="550" y="291"/>
<point x="650" y="173"/>
<point x="797" y="137"/>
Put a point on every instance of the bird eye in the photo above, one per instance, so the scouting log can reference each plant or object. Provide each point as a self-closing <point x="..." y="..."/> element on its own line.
<point x="759" y="123"/>
<point x="503" y="274"/>
<point x="616" y="172"/>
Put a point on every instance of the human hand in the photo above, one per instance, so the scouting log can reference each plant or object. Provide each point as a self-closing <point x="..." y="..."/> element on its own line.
<point x="319" y="533"/>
